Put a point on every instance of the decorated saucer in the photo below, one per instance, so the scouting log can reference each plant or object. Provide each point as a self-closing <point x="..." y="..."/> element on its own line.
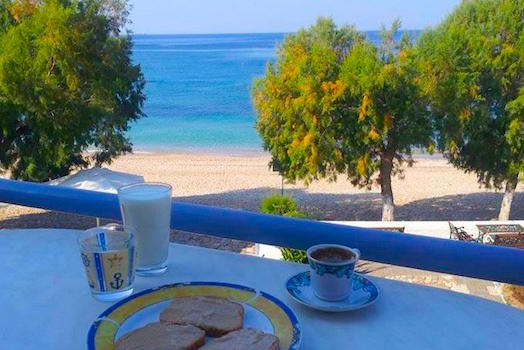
<point x="363" y="293"/>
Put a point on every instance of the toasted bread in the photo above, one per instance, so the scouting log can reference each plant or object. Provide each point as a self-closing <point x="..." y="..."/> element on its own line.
<point x="216" y="316"/>
<point x="162" y="336"/>
<point x="242" y="339"/>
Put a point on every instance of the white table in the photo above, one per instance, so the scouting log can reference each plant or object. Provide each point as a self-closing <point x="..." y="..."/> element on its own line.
<point x="45" y="302"/>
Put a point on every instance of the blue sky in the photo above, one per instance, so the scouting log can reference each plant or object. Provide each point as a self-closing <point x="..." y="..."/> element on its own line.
<point x="253" y="16"/>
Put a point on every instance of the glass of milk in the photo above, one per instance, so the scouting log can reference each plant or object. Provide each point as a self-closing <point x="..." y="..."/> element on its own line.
<point x="146" y="211"/>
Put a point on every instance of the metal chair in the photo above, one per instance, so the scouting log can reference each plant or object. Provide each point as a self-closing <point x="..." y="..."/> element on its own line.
<point x="460" y="234"/>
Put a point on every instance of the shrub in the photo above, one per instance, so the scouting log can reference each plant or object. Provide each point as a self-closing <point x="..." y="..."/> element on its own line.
<point x="280" y="205"/>
<point x="285" y="206"/>
<point x="294" y="255"/>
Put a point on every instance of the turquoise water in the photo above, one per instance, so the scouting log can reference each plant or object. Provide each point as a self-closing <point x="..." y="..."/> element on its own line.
<point x="198" y="90"/>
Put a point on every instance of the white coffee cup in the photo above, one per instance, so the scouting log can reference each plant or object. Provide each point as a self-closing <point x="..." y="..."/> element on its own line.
<point x="331" y="269"/>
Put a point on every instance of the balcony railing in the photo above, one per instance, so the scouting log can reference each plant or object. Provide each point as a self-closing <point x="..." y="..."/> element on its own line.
<point x="440" y="255"/>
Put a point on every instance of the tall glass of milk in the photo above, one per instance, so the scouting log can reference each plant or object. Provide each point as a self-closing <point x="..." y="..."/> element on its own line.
<point x="146" y="212"/>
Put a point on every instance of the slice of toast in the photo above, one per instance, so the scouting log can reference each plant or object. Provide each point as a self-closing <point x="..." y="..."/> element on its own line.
<point x="161" y="336"/>
<point x="242" y="339"/>
<point x="216" y="316"/>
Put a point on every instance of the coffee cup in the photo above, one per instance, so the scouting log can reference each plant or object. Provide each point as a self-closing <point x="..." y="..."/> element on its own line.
<point x="331" y="268"/>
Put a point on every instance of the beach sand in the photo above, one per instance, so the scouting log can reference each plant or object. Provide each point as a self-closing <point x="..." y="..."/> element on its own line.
<point x="430" y="190"/>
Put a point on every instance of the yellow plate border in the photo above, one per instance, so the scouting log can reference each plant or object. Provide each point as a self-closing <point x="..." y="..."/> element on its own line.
<point x="102" y="333"/>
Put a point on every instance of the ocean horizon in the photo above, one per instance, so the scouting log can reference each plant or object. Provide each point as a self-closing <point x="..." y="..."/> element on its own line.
<point x="198" y="90"/>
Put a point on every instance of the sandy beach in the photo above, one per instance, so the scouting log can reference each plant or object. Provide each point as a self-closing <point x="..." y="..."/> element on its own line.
<point x="430" y="190"/>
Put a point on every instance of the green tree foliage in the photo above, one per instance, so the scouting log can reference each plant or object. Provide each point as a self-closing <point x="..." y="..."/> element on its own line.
<point x="472" y="68"/>
<point x="66" y="83"/>
<point x="335" y="103"/>
<point x="6" y="18"/>
<point x="285" y="206"/>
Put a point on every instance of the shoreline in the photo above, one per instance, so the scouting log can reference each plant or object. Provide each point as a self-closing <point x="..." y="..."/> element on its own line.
<point x="226" y="151"/>
<point x="240" y="152"/>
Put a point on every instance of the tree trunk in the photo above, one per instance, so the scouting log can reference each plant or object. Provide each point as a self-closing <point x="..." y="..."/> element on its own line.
<point x="388" y="206"/>
<point x="505" y="206"/>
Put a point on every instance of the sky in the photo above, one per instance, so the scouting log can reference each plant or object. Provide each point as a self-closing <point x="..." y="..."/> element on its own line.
<point x="262" y="16"/>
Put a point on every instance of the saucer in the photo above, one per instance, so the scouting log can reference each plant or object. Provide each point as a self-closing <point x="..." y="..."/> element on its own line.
<point x="363" y="293"/>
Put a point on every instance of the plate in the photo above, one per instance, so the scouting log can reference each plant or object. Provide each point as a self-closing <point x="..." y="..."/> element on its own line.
<point x="364" y="293"/>
<point x="261" y="311"/>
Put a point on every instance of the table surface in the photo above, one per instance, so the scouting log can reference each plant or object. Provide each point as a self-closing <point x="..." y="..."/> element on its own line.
<point x="501" y="228"/>
<point x="46" y="303"/>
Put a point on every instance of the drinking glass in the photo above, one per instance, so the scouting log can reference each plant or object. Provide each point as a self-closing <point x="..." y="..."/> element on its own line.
<point x="108" y="255"/>
<point x="147" y="208"/>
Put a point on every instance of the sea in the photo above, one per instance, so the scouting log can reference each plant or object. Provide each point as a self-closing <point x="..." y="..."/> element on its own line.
<point x="198" y="90"/>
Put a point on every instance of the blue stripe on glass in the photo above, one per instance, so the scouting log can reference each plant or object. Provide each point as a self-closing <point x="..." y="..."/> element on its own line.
<point x="99" y="271"/>
<point x="130" y="265"/>
<point x="101" y="237"/>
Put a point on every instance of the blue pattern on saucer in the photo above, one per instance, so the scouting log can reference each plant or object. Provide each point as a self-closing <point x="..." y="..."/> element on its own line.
<point x="363" y="293"/>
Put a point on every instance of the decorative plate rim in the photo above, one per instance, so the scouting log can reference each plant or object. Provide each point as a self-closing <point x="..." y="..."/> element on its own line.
<point x="297" y="327"/>
<point x="333" y="308"/>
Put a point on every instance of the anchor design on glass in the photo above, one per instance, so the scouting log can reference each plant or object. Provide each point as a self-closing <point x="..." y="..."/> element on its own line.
<point x="118" y="281"/>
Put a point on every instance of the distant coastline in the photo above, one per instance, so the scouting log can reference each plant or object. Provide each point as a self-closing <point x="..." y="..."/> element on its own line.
<point x="373" y="33"/>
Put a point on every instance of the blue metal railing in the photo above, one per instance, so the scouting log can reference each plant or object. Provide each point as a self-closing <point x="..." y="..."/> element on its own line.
<point x="434" y="254"/>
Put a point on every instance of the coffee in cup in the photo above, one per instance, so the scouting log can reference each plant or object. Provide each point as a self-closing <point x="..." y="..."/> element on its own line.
<point x="333" y="254"/>
<point x="331" y="268"/>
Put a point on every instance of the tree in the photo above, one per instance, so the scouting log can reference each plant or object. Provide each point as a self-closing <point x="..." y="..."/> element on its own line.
<point x="472" y="69"/>
<point x="335" y="103"/>
<point x="66" y="83"/>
